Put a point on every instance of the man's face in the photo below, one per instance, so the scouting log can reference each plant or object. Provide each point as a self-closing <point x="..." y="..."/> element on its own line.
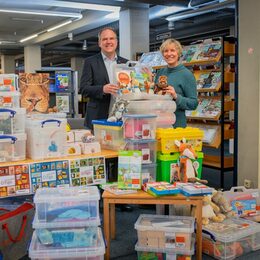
<point x="108" y="42"/>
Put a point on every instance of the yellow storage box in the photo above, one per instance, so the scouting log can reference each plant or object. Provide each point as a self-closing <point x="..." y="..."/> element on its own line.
<point x="166" y="138"/>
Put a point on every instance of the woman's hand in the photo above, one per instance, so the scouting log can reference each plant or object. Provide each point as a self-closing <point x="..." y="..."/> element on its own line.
<point x="171" y="91"/>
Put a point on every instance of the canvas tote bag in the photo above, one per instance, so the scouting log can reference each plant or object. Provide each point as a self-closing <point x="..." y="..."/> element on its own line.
<point x="16" y="231"/>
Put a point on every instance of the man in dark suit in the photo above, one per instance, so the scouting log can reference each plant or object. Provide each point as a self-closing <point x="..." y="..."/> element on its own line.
<point x="97" y="75"/>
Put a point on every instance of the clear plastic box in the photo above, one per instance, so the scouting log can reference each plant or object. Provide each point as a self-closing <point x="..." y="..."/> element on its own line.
<point x="10" y="99"/>
<point x="149" y="173"/>
<point x="231" y="238"/>
<point x="12" y="147"/>
<point x="165" y="232"/>
<point x="46" y="138"/>
<point x="109" y="134"/>
<point x="144" y="252"/>
<point x="139" y="126"/>
<point x="12" y="121"/>
<point x="147" y="147"/>
<point x="38" y="251"/>
<point x="68" y="206"/>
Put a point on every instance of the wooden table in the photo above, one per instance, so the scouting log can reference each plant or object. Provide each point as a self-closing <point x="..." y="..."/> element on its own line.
<point x="141" y="197"/>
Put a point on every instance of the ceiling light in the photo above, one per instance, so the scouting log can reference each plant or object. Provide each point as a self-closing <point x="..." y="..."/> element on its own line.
<point x="85" y="46"/>
<point x="171" y="25"/>
<point x="59" y="26"/>
<point x="40" y="12"/>
<point x="70" y="36"/>
<point x="29" y="38"/>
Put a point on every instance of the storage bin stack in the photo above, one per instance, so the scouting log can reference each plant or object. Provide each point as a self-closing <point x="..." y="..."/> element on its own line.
<point x="139" y="134"/>
<point x="46" y="136"/>
<point x="164" y="237"/>
<point x="168" y="152"/>
<point x="12" y="121"/>
<point x="231" y="238"/>
<point x="66" y="224"/>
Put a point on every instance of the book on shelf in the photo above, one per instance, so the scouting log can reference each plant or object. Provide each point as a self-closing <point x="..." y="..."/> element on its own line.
<point x="63" y="102"/>
<point x="209" y="80"/>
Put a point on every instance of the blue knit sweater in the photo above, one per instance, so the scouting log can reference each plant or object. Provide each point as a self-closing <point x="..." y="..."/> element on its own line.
<point x="184" y="84"/>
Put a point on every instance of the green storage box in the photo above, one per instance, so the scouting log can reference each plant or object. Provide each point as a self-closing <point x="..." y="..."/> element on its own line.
<point x="168" y="164"/>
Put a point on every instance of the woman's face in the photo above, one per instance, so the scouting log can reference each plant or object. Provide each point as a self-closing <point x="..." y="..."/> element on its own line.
<point x="170" y="54"/>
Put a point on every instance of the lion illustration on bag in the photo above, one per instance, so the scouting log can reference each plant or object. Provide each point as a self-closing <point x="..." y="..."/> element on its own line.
<point x="34" y="88"/>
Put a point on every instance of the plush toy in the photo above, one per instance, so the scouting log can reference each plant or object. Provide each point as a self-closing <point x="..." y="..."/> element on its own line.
<point x="210" y="211"/>
<point x="118" y="110"/>
<point x="219" y="199"/>
<point x="188" y="173"/>
<point x="162" y="84"/>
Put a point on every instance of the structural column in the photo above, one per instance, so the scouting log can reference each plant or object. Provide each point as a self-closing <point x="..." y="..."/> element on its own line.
<point x="32" y="58"/>
<point x="133" y="32"/>
<point x="8" y="64"/>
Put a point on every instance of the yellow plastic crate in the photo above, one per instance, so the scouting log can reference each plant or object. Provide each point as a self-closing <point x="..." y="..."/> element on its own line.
<point x="166" y="138"/>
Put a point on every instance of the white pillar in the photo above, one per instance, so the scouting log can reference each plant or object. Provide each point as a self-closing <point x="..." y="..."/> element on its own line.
<point x="32" y="58"/>
<point x="133" y="32"/>
<point x="8" y="64"/>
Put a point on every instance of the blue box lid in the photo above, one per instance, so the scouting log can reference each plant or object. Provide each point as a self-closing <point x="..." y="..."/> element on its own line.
<point x="105" y="122"/>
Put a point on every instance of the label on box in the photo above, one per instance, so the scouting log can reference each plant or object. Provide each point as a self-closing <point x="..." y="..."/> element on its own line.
<point x="146" y="155"/>
<point x="170" y="240"/>
<point x="87" y="171"/>
<point x="244" y="207"/>
<point x="146" y="131"/>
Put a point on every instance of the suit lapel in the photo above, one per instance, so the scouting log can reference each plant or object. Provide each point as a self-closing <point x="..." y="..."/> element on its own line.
<point x="102" y="67"/>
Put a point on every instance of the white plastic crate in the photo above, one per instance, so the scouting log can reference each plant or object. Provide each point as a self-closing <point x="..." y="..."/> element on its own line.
<point x="165" y="232"/>
<point x="37" y="251"/>
<point x="46" y="138"/>
<point x="12" y="120"/>
<point x="10" y="99"/>
<point x="231" y="238"/>
<point x="12" y="147"/>
<point x="68" y="206"/>
<point x="149" y="172"/>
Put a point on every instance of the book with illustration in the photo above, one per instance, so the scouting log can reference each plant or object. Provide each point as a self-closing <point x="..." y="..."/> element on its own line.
<point x="209" y="80"/>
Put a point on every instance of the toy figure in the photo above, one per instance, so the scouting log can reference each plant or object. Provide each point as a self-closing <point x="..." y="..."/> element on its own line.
<point x="118" y="110"/>
<point x="162" y="84"/>
<point x="188" y="173"/>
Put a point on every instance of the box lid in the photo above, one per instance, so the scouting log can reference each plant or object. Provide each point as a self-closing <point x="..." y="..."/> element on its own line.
<point x="63" y="194"/>
<point x="105" y="122"/>
<point x="138" y="116"/>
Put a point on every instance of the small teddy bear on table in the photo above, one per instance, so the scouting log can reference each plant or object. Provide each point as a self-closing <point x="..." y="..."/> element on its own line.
<point x="118" y="110"/>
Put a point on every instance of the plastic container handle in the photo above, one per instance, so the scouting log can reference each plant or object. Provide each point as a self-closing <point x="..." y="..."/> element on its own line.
<point x="13" y="138"/>
<point x="51" y="121"/>
<point x="208" y="233"/>
<point x="238" y="189"/>
<point x="12" y="112"/>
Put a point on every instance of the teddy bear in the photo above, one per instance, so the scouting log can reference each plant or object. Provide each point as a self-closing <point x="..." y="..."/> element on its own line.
<point x="210" y="211"/>
<point x="118" y="110"/>
<point x="162" y="84"/>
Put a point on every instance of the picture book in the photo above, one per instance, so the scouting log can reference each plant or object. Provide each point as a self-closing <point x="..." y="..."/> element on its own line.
<point x="113" y="188"/>
<point x="62" y="81"/>
<point x="129" y="169"/>
<point x="14" y="180"/>
<point x="50" y="174"/>
<point x="8" y="82"/>
<point x="152" y="59"/>
<point x="209" y="80"/>
<point x="188" y="53"/>
<point x="63" y="103"/>
<point x="87" y="171"/>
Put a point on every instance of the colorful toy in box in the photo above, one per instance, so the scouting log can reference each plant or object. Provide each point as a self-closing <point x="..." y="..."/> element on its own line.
<point x="193" y="189"/>
<point x="139" y="126"/>
<point x="166" y="138"/>
<point x="188" y="169"/>
<point x="160" y="189"/>
<point x="161" y="256"/>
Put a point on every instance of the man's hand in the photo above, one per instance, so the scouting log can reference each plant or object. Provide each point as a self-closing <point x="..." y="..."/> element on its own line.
<point x="110" y="89"/>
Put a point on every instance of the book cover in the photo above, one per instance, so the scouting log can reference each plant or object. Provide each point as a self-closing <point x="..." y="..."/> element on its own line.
<point x="63" y="103"/>
<point x="113" y="188"/>
<point x="129" y="169"/>
<point x="87" y="171"/>
<point x="62" y="81"/>
<point x="50" y="174"/>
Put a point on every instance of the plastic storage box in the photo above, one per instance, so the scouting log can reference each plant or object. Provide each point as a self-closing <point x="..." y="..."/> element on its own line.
<point x="12" y="121"/>
<point x="80" y="208"/>
<point x="109" y="134"/>
<point x="166" y="138"/>
<point x="147" y="147"/>
<point x="10" y="99"/>
<point x="139" y="126"/>
<point x="38" y="251"/>
<point x="168" y="164"/>
<point x="148" y="173"/>
<point x="12" y="147"/>
<point x="165" y="232"/>
<point x="8" y="82"/>
<point x="231" y="238"/>
<point x="144" y="253"/>
<point x="46" y="138"/>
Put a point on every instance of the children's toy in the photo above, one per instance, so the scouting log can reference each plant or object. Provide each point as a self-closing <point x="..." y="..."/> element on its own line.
<point x="162" y="85"/>
<point x="210" y="211"/>
<point x="219" y="199"/>
<point x="118" y="110"/>
<point x="188" y="171"/>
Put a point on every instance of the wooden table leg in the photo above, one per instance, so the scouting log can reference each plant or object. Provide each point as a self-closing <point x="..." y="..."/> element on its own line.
<point x="113" y="221"/>
<point x="198" y="215"/>
<point x="106" y="222"/>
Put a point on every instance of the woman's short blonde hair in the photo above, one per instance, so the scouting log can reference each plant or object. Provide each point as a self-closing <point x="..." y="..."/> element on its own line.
<point x="167" y="42"/>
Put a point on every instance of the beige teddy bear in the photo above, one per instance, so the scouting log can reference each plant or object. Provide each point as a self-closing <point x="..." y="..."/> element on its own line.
<point x="225" y="208"/>
<point x="210" y="211"/>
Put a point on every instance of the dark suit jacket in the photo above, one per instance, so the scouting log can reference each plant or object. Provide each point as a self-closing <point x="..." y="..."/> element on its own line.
<point x="94" y="77"/>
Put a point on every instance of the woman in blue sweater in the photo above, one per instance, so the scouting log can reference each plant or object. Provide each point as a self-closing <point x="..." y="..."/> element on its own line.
<point x="181" y="82"/>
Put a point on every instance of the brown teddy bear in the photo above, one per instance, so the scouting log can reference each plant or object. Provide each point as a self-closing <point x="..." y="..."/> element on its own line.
<point x="162" y="84"/>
